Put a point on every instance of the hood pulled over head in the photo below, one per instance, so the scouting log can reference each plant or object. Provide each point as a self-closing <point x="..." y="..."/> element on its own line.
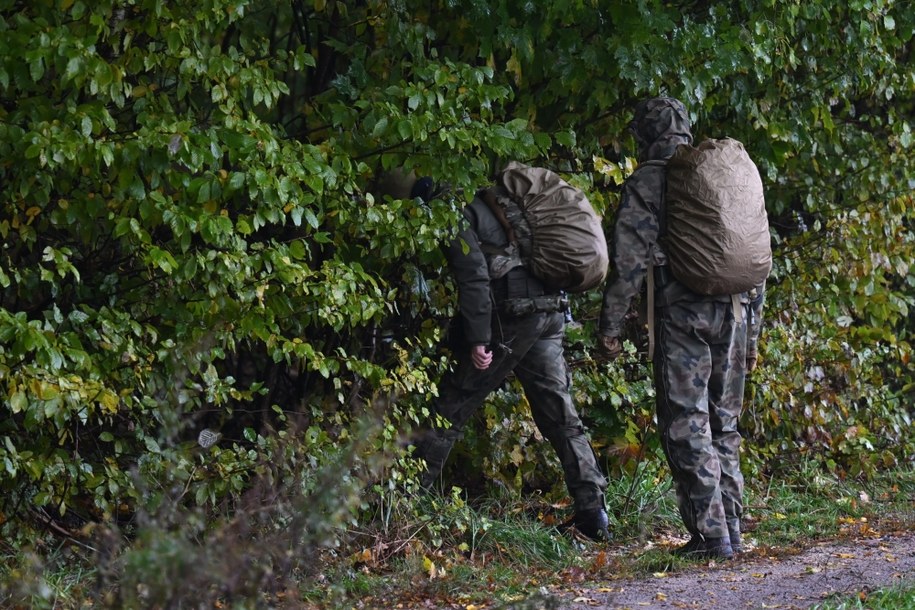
<point x="659" y="126"/>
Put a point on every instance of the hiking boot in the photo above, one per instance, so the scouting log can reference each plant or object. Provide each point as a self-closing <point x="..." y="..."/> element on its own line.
<point x="736" y="542"/>
<point x="734" y="535"/>
<point x="593" y="524"/>
<point x="706" y="548"/>
<point x="433" y="447"/>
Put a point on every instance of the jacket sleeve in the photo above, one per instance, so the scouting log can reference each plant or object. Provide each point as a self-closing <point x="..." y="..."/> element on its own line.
<point x="635" y="233"/>
<point x="468" y="264"/>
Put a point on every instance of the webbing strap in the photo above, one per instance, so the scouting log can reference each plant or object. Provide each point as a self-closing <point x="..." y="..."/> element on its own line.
<point x="650" y="311"/>
<point x="738" y="309"/>
<point x="499" y="212"/>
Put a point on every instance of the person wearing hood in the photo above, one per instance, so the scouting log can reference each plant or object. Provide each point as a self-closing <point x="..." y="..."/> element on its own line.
<point x="702" y="351"/>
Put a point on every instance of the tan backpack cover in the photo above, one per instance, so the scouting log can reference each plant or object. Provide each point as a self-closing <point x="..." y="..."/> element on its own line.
<point x="717" y="232"/>
<point x="563" y="241"/>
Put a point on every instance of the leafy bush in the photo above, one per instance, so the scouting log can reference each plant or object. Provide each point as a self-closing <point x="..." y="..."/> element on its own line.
<point x="192" y="236"/>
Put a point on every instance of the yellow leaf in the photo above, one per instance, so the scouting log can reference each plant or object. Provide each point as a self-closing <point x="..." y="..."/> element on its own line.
<point x="109" y="401"/>
<point x="660" y="596"/>
<point x="846" y="520"/>
<point x="516" y="456"/>
<point x="513" y="65"/>
<point x="780" y="516"/>
<point x="429" y="566"/>
<point x="660" y="574"/>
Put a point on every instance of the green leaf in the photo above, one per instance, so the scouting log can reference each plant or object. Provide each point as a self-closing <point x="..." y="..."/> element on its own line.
<point x="18" y="402"/>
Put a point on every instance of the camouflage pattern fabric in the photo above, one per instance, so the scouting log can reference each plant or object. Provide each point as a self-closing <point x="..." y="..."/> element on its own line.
<point x="700" y="352"/>
<point x="633" y="245"/>
<point x="699" y="369"/>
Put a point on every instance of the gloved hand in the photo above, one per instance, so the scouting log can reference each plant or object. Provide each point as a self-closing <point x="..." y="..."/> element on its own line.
<point x="608" y="347"/>
<point x="752" y="359"/>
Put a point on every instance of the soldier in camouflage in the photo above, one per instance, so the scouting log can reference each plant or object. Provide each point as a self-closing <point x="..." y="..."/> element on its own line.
<point x="702" y="351"/>
<point x="511" y="324"/>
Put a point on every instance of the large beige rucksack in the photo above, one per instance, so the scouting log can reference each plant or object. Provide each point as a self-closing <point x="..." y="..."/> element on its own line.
<point x="715" y="230"/>
<point x="552" y="228"/>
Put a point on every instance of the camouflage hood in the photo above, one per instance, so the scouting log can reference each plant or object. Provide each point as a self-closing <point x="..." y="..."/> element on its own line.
<point x="660" y="125"/>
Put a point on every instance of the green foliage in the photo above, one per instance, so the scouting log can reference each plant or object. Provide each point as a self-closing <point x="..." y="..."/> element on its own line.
<point x="192" y="235"/>
<point x="836" y="357"/>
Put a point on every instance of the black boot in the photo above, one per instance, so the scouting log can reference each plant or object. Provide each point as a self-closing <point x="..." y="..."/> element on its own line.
<point x="592" y="523"/>
<point x="433" y="447"/>
<point x="706" y="548"/>
<point x="734" y="535"/>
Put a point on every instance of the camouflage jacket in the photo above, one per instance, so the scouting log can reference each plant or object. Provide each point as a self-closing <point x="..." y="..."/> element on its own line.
<point x="659" y="127"/>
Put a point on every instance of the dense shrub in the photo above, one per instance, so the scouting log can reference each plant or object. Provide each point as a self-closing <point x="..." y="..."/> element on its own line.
<point x="191" y="237"/>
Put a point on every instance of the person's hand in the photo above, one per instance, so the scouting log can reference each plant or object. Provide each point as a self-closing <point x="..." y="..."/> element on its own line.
<point x="609" y="348"/>
<point x="752" y="359"/>
<point x="481" y="357"/>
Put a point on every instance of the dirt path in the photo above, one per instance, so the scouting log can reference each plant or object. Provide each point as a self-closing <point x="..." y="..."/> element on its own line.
<point x="757" y="580"/>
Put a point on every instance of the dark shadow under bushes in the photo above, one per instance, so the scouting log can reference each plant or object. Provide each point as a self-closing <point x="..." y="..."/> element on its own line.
<point x="252" y="553"/>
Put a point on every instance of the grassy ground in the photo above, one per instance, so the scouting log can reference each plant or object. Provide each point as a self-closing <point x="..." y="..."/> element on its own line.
<point x="518" y="555"/>
<point x="506" y="550"/>
<point x="902" y="598"/>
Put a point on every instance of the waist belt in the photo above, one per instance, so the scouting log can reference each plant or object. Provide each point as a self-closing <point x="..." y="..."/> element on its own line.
<point x="528" y="305"/>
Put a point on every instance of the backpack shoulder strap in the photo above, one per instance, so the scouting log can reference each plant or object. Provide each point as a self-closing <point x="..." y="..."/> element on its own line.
<point x="489" y="198"/>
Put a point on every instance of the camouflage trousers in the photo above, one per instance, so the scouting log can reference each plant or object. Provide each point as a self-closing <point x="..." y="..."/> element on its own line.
<point x="699" y="368"/>
<point x="532" y="349"/>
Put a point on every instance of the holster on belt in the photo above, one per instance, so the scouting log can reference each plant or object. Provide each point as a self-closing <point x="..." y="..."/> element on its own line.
<point x="662" y="275"/>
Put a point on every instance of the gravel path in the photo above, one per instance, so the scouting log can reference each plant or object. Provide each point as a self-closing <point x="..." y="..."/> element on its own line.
<point x="758" y="581"/>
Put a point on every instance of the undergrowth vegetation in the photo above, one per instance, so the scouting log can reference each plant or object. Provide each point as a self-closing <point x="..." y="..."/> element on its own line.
<point x="449" y="548"/>
<point x="217" y="338"/>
